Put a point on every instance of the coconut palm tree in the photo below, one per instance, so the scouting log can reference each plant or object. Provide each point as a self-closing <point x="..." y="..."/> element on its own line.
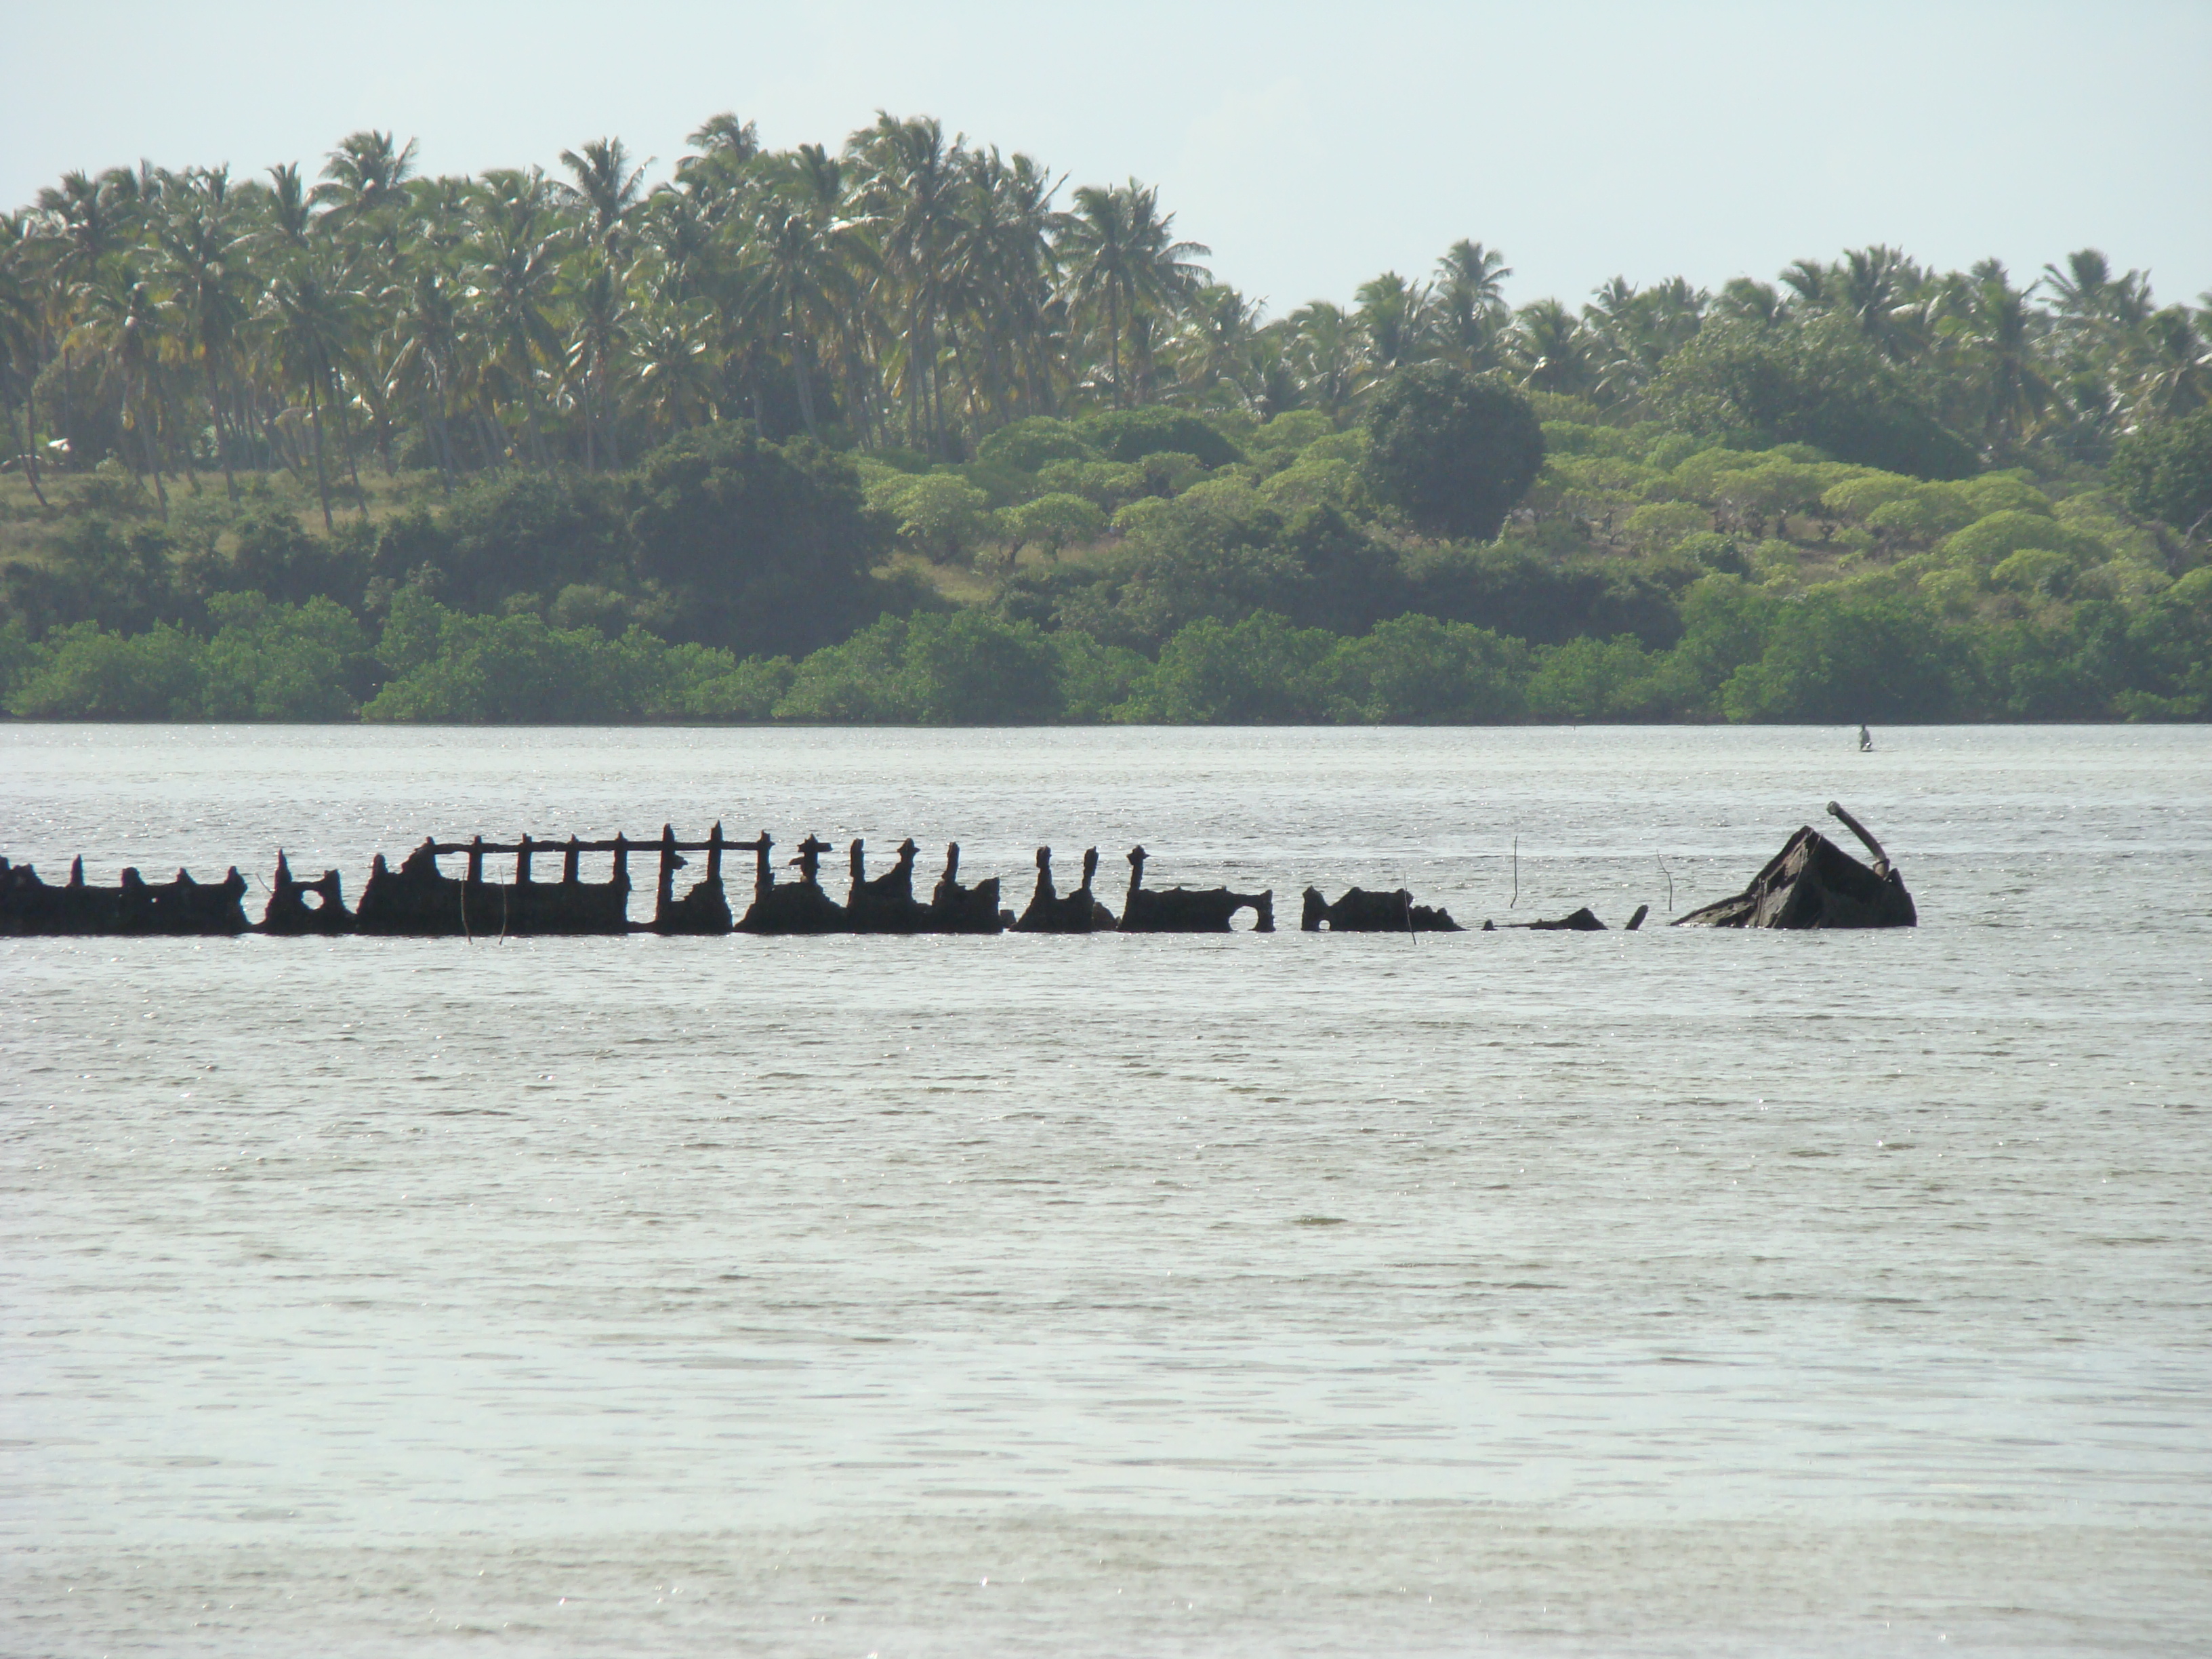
<point x="1216" y="347"/>
<point x="676" y="360"/>
<point x="608" y="189"/>
<point x="1996" y="329"/>
<point x="1470" y="303"/>
<point x="122" y="316"/>
<point x="1879" y="290"/>
<point x="909" y="196"/>
<point x="1743" y="300"/>
<point x="1126" y="255"/>
<point x="206" y="259"/>
<point x="1325" y="350"/>
<point x="424" y="350"/>
<point x="290" y="214"/>
<point x="601" y="325"/>
<point x="1549" y="349"/>
<point x="1397" y="319"/>
<point x="514" y="252"/>
<point x="363" y="186"/>
<point x="715" y="176"/>
<point x="2169" y="360"/>
<point x="21" y="327"/>
<point x="311" y="320"/>
<point x="1633" y="330"/>
<point x="1811" y="284"/>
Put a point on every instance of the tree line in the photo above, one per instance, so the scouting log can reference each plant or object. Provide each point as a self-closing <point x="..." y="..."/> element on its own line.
<point x="909" y="289"/>
<point x="749" y="411"/>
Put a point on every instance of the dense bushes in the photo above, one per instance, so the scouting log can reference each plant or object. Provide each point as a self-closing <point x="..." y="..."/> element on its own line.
<point x="1649" y="573"/>
<point x="1754" y="385"/>
<point x="1743" y="653"/>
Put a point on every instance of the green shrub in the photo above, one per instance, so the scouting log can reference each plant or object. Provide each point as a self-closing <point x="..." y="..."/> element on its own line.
<point x="1259" y="671"/>
<point x="1417" y="670"/>
<point x="1832" y="658"/>
<point x="1987" y="542"/>
<point x="1658" y="527"/>
<point x="84" y="674"/>
<point x="1755" y="385"/>
<point x="1130" y="435"/>
<point x="1053" y="522"/>
<point x="1029" y="444"/>
<point x="1451" y="451"/>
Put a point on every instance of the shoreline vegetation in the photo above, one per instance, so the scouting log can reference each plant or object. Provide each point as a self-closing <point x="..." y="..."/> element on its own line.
<point x="896" y="435"/>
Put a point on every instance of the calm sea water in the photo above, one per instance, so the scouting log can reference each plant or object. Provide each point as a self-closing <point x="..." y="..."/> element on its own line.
<point x="1674" y="1292"/>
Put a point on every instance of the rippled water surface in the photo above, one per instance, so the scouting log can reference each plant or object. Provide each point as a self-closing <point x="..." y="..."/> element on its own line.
<point x="1671" y="1293"/>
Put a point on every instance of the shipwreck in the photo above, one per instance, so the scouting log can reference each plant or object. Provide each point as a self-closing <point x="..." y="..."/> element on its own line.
<point x="1814" y="882"/>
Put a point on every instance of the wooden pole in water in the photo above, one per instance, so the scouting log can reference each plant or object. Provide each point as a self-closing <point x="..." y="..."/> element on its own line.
<point x="568" y="874"/>
<point x="522" y="862"/>
<point x="664" y="893"/>
<point x="476" y="860"/>
<point x="714" y="852"/>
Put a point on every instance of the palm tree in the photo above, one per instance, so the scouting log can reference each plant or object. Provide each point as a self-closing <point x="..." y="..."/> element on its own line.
<point x="291" y="213"/>
<point x="2088" y="295"/>
<point x="607" y="187"/>
<point x="1396" y="317"/>
<point x="1633" y="330"/>
<point x="20" y="330"/>
<point x="2170" y="361"/>
<point x="313" y="320"/>
<point x="600" y="319"/>
<point x="206" y="260"/>
<point x="1743" y="299"/>
<point x="1166" y="275"/>
<point x="998" y="295"/>
<point x="676" y="364"/>
<point x="1324" y="352"/>
<point x="124" y="319"/>
<point x="1217" y="345"/>
<point x="910" y="195"/>
<point x="716" y="172"/>
<point x="807" y="274"/>
<point x="1879" y="288"/>
<point x="1470" y="299"/>
<point x="1997" y="327"/>
<point x="364" y="183"/>
<point x="1125" y="254"/>
<point x="1549" y="349"/>
<point x="515" y="252"/>
<point x="1812" y="284"/>
<point x="424" y="342"/>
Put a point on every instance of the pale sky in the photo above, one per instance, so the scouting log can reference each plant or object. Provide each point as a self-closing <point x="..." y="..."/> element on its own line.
<point x="1310" y="146"/>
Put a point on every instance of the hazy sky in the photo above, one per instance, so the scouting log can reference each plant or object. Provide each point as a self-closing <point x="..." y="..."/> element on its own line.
<point x="1310" y="145"/>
